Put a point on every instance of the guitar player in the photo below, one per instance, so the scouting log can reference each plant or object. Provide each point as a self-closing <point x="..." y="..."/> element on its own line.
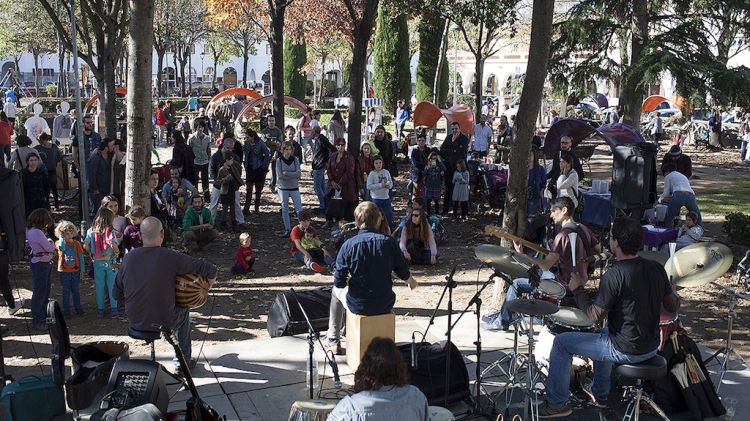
<point x="560" y="258"/>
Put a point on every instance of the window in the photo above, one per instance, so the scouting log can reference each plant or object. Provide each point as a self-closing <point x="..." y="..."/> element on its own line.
<point x="44" y="72"/>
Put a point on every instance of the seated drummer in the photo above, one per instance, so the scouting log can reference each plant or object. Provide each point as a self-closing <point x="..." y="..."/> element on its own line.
<point x="560" y="257"/>
<point x="362" y="279"/>
<point x="630" y="297"/>
<point x="146" y="284"/>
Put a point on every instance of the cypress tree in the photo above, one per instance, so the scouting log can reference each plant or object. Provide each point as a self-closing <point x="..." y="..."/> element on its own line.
<point x="430" y="31"/>
<point x="392" y="78"/>
<point x="295" y="56"/>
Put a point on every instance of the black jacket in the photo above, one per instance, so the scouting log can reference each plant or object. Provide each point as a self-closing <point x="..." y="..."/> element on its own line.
<point x="323" y="150"/>
<point x="12" y="217"/>
<point x="215" y="163"/>
<point x="35" y="189"/>
<point x="454" y="151"/>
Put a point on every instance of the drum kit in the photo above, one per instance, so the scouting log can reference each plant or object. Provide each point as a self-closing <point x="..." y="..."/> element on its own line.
<point x="690" y="267"/>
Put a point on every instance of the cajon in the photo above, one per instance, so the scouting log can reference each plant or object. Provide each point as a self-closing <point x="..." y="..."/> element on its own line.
<point x="360" y="330"/>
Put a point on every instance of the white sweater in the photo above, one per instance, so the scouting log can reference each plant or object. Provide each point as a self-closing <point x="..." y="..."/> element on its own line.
<point x="375" y="184"/>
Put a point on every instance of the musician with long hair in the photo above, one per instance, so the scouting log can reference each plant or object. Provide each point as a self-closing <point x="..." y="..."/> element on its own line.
<point x="382" y="390"/>
<point x="146" y="284"/>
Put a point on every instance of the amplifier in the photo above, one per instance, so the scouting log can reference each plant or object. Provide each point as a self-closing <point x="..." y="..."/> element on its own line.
<point x="137" y="382"/>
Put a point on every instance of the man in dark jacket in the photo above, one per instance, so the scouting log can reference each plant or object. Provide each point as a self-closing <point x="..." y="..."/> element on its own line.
<point x="99" y="174"/>
<point x="13" y="228"/>
<point x="454" y="149"/>
<point x="322" y="149"/>
<point x="382" y="141"/>
<point x="217" y="159"/>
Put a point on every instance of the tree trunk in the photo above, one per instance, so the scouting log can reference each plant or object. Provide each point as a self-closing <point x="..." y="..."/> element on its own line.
<point x="245" y="59"/>
<point x="362" y="34"/>
<point x="109" y="103"/>
<point x="61" y="91"/>
<point x="514" y="219"/>
<point x="213" y="77"/>
<point x="140" y="44"/>
<point x="190" y="68"/>
<point x="631" y="96"/>
<point x="159" y="71"/>
<point x="277" y="55"/>
<point x="478" y="68"/>
<point x="439" y="66"/>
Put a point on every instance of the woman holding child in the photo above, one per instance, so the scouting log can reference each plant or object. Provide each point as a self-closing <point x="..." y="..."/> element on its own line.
<point x="341" y="178"/>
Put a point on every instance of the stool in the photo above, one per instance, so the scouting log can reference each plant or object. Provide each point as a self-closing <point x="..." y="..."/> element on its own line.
<point x="651" y="369"/>
<point x="360" y="331"/>
<point x="145" y="335"/>
<point x="311" y="410"/>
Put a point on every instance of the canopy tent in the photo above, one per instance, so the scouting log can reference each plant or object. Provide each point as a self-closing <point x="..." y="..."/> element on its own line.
<point x="427" y="114"/>
<point x="650" y="103"/>
<point x="236" y="91"/>
<point x="613" y="134"/>
<point x="600" y="99"/>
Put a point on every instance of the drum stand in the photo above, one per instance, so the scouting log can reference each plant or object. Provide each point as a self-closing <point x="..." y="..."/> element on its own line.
<point x="728" y="350"/>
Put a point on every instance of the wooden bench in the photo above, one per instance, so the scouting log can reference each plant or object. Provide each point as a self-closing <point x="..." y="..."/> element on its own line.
<point x="360" y="331"/>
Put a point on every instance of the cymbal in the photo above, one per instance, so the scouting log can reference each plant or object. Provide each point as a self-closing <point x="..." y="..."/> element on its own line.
<point x="654" y="255"/>
<point x="504" y="260"/>
<point x="532" y="307"/>
<point x="699" y="264"/>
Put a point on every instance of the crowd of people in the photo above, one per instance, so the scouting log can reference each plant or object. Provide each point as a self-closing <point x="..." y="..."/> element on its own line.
<point x="199" y="196"/>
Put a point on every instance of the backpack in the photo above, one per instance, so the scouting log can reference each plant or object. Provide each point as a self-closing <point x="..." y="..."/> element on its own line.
<point x="578" y="229"/>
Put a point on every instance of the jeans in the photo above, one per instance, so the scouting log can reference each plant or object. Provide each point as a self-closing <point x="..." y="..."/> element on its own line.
<point x="71" y="282"/>
<point x="284" y="196"/>
<point x="198" y="239"/>
<point x="680" y="199"/>
<point x="385" y="206"/>
<point x="201" y="172"/>
<point x="337" y="312"/>
<point x="319" y="186"/>
<point x="447" y="191"/>
<point x="41" y="280"/>
<point x="520" y="286"/>
<point x="104" y="280"/>
<point x="301" y="258"/>
<point x="5" y="288"/>
<point x="161" y="132"/>
<point x="238" y="216"/>
<point x="182" y="332"/>
<point x="52" y="177"/>
<point x="596" y="346"/>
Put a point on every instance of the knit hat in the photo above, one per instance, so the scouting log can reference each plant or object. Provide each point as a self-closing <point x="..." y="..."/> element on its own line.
<point x="675" y="150"/>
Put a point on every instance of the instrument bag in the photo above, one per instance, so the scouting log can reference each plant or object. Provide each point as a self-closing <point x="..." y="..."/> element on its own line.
<point x="429" y="376"/>
<point x="33" y="398"/>
<point x="285" y="317"/>
<point x="700" y="398"/>
<point x="92" y="362"/>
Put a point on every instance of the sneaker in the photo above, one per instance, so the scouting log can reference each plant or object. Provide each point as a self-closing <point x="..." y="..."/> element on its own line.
<point x="317" y="268"/>
<point x="284" y="234"/>
<point x="333" y="345"/>
<point x="100" y="313"/>
<point x="548" y="411"/>
<point x="599" y="402"/>
<point x="80" y="312"/>
<point x="18" y="306"/>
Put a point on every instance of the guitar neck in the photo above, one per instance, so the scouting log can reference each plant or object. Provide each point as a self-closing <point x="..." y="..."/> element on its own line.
<point x="501" y="233"/>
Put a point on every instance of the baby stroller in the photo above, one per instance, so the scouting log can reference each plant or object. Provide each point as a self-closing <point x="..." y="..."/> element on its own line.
<point x="491" y="188"/>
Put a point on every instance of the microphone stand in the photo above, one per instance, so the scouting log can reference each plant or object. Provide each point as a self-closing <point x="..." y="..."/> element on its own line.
<point x="477" y="300"/>
<point x="312" y="336"/>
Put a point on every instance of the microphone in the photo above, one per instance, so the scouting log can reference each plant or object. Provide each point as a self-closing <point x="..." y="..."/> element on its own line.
<point x="449" y="278"/>
<point x="599" y="257"/>
<point x="335" y="368"/>
<point x="413" y="352"/>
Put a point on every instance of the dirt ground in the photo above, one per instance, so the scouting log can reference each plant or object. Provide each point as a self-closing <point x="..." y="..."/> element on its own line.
<point x="239" y="305"/>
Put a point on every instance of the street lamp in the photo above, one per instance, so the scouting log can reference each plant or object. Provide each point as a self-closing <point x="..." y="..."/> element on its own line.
<point x="203" y="75"/>
<point x="455" y="29"/>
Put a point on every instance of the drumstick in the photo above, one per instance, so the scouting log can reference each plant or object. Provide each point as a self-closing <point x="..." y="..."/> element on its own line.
<point x="572" y="237"/>
<point x="672" y="250"/>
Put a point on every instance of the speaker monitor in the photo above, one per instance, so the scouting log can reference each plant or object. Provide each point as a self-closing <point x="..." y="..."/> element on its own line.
<point x="137" y="382"/>
<point x="634" y="176"/>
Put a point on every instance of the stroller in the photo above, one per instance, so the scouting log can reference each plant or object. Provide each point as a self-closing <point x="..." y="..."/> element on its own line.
<point x="490" y="190"/>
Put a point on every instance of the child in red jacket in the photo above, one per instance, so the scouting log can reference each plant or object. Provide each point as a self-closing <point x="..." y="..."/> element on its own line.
<point x="245" y="256"/>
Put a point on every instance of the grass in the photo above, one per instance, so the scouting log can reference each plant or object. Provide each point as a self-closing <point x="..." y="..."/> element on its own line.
<point x="723" y="199"/>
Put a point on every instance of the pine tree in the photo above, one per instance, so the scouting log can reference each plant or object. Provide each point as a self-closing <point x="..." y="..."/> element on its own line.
<point x="295" y="56"/>
<point x="430" y="30"/>
<point x="392" y="78"/>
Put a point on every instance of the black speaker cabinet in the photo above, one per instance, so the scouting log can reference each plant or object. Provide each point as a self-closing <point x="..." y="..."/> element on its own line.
<point x="137" y="382"/>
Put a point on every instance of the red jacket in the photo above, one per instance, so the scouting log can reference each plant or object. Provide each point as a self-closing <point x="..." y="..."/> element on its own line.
<point x="161" y="119"/>
<point x="241" y="255"/>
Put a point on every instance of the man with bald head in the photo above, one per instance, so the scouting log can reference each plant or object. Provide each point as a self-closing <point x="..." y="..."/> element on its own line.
<point x="146" y="284"/>
<point x="566" y="145"/>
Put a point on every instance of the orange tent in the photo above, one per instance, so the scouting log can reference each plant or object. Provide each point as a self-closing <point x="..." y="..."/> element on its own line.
<point x="427" y="114"/>
<point x="252" y="93"/>
<point x="93" y="99"/>
<point x="650" y="103"/>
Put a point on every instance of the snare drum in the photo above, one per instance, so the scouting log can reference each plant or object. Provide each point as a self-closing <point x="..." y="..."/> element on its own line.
<point x="438" y="413"/>
<point x="549" y="290"/>
<point x="311" y="410"/>
<point x="569" y="319"/>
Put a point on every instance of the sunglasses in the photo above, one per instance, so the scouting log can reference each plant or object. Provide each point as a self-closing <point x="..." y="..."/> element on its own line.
<point x="341" y="144"/>
<point x="415" y="214"/>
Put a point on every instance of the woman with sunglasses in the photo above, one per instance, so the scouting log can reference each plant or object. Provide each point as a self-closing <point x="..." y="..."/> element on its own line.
<point x="417" y="242"/>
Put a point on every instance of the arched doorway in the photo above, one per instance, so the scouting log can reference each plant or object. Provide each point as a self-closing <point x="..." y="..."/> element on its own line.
<point x="491" y="88"/>
<point x="266" y="78"/>
<point x="229" y="77"/>
<point x="252" y="76"/>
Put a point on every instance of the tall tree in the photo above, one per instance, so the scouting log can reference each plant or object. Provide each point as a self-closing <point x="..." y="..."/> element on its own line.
<point x="140" y="47"/>
<point x="430" y="30"/>
<point x="163" y="37"/>
<point x="218" y="48"/>
<point x="514" y="219"/>
<point x="392" y="79"/>
<point x="295" y="58"/>
<point x="102" y="31"/>
<point x="244" y="36"/>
